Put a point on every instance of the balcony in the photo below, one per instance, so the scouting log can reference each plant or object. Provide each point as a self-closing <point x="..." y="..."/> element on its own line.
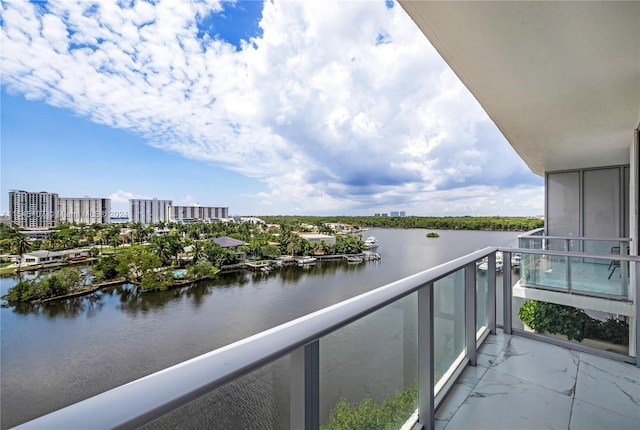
<point x="527" y="384"/>
<point x="579" y="266"/>
<point x="433" y="337"/>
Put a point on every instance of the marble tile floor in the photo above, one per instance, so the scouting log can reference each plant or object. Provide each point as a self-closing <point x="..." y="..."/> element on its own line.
<point x="521" y="383"/>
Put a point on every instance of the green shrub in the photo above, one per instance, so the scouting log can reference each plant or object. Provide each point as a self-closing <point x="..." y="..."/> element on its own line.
<point x="203" y="269"/>
<point x="572" y="322"/>
<point x="155" y="281"/>
<point x="367" y="414"/>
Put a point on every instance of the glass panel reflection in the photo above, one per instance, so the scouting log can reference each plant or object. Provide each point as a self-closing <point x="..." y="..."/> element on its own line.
<point x="368" y="370"/>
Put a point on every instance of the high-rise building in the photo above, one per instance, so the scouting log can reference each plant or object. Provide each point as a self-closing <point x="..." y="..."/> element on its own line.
<point x="33" y="209"/>
<point x="149" y="211"/>
<point x="197" y="213"/>
<point x="86" y="210"/>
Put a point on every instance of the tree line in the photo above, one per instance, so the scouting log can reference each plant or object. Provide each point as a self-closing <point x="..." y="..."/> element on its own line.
<point x="494" y="223"/>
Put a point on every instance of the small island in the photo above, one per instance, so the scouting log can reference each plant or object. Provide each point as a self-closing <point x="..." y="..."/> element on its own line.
<point x="432" y="234"/>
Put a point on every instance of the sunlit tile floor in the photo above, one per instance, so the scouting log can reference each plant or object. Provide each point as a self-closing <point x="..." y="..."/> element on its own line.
<point x="526" y="384"/>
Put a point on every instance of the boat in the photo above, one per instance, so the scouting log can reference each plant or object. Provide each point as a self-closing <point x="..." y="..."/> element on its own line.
<point x="354" y="259"/>
<point x="515" y="260"/>
<point x="371" y="242"/>
<point x="484" y="265"/>
<point x="307" y="260"/>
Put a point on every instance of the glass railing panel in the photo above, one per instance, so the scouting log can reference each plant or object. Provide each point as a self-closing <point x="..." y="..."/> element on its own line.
<point x="599" y="276"/>
<point x="449" y="323"/>
<point x="600" y="247"/>
<point x="589" y="276"/>
<point x="547" y="271"/>
<point x="258" y="400"/>
<point x="368" y="370"/>
<point x="556" y="244"/>
<point x="482" y="299"/>
<point x="594" y="328"/>
<point x="531" y="242"/>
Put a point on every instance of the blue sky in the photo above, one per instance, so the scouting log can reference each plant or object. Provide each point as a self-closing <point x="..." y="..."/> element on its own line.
<point x="268" y="108"/>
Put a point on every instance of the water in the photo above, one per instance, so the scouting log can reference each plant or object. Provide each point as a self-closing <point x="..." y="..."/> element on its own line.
<point x="59" y="353"/>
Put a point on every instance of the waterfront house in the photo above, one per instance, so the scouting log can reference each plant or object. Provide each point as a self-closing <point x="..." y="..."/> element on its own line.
<point x="48" y="257"/>
<point x="231" y="243"/>
<point x="561" y="80"/>
<point x="318" y="238"/>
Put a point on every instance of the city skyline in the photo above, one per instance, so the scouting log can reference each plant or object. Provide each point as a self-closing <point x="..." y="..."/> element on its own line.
<point x="265" y="108"/>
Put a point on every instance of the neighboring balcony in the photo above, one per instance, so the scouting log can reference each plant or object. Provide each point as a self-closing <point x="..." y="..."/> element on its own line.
<point x="594" y="275"/>
<point x="447" y="342"/>
<point x="577" y="265"/>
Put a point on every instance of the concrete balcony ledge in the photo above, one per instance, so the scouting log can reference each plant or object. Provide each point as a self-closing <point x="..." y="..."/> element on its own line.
<point x="619" y="307"/>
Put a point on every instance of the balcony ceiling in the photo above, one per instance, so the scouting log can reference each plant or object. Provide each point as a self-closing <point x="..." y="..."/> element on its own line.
<point x="561" y="80"/>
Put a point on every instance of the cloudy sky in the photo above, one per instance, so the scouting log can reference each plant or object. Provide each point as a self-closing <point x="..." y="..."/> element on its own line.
<point x="281" y="107"/>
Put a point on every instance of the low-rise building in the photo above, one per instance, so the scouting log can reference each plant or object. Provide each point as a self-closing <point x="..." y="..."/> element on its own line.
<point x="46" y="257"/>
<point x="318" y="238"/>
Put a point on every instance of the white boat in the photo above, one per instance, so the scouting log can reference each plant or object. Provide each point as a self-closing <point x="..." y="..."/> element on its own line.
<point x="354" y="259"/>
<point x="484" y="265"/>
<point x="371" y="242"/>
<point x="515" y="260"/>
<point x="307" y="260"/>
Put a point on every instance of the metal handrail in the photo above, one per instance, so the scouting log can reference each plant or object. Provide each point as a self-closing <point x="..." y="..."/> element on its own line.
<point x="533" y="235"/>
<point x="594" y="239"/>
<point x="148" y="398"/>
<point x="620" y="257"/>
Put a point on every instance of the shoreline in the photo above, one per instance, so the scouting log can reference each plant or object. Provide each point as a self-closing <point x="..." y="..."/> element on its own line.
<point x="177" y="283"/>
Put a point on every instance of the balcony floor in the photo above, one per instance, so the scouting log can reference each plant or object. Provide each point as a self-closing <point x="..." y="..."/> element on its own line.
<point x="521" y="383"/>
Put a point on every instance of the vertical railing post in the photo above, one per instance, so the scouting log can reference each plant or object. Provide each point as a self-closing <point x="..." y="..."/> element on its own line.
<point x="426" y="383"/>
<point x="624" y="268"/>
<point x="491" y="293"/>
<point x="506" y="292"/>
<point x="470" y="311"/>
<point x="635" y="348"/>
<point x="305" y="387"/>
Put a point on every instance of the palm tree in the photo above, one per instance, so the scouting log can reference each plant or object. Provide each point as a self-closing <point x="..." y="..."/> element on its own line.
<point x="197" y="252"/>
<point x="20" y="245"/>
<point x="161" y="247"/>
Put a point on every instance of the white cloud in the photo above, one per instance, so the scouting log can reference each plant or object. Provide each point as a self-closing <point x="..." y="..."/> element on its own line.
<point x="121" y="196"/>
<point x="316" y="108"/>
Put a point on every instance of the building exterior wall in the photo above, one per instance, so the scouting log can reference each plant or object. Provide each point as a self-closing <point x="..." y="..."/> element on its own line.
<point x="33" y="209"/>
<point x="84" y="210"/>
<point x="203" y="213"/>
<point x="149" y="211"/>
<point x="588" y="203"/>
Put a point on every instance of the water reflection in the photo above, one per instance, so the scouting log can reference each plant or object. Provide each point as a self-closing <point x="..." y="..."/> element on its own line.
<point x="134" y="302"/>
<point x="68" y="308"/>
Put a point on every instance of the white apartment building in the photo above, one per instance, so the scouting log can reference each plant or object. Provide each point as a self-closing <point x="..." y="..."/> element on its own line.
<point x="33" y="209"/>
<point x="149" y="211"/>
<point x="86" y="210"/>
<point x="197" y="213"/>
